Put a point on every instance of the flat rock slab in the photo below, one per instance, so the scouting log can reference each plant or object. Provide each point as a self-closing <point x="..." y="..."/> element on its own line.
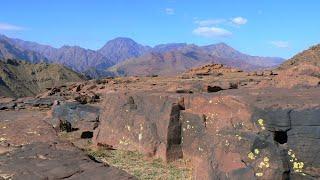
<point x="48" y="161"/>
<point x="25" y="126"/>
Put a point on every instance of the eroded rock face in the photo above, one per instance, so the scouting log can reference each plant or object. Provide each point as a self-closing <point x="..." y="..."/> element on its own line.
<point x="140" y="121"/>
<point x="245" y="136"/>
<point x="227" y="135"/>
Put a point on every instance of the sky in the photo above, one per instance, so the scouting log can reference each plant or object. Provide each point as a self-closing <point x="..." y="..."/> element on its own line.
<point x="279" y="28"/>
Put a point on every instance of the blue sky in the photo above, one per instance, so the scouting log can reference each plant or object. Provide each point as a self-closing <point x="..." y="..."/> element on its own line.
<point x="257" y="27"/>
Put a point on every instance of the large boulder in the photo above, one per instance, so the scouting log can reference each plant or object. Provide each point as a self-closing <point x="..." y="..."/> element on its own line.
<point x="81" y="118"/>
<point x="244" y="136"/>
<point x="147" y="122"/>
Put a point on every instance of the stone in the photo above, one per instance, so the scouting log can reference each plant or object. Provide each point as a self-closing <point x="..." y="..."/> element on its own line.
<point x="143" y="126"/>
<point x="211" y="89"/>
<point x="64" y="126"/>
<point x="9" y="105"/>
<point x="87" y="98"/>
<point x="81" y="117"/>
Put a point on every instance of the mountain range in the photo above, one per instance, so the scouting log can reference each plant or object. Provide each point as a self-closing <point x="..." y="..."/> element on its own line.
<point x="124" y="56"/>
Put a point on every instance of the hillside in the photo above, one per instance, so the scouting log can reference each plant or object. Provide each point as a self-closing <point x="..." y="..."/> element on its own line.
<point x="302" y="70"/>
<point x="310" y="56"/>
<point x="19" y="78"/>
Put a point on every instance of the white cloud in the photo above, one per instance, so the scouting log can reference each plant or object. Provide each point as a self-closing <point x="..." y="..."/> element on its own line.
<point x="169" y="11"/>
<point x="214" y="22"/>
<point x="215" y="27"/>
<point x="10" y="27"/>
<point x="280" y="44"/>
<point x="210" y="32"/>
<point x="209" y="22"/>
<point x="239" y="21"/>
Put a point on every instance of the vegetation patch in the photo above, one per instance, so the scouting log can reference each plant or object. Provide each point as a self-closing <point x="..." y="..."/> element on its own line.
<point x="141" y="166"/>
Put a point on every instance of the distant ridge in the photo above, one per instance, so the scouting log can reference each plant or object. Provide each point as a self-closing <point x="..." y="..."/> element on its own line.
<point x="176" y="58"/>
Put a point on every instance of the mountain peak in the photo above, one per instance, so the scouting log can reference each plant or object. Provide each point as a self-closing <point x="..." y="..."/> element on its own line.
<point x="122" y="39"/>
<point x="2" y="36"/>
<point x="122" y="48"/>
<point x="220" y="45"/>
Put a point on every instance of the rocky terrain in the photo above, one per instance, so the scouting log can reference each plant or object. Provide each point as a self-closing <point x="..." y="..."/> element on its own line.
<point x="123" y="56"/>
<point x="209" y="122"/>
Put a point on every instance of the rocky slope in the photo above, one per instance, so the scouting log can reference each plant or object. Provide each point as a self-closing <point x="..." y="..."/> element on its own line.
<point x="19" y="78"/>
<point x="310" y="56"/>
<point x="301" y="70"/>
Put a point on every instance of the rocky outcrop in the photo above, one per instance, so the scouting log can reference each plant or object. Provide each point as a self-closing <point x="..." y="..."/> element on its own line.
<point x="248" y="137"/>
<point x="140" y="121"/>
<point x="210" y="69"/>
<point x="234" y="134"/>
